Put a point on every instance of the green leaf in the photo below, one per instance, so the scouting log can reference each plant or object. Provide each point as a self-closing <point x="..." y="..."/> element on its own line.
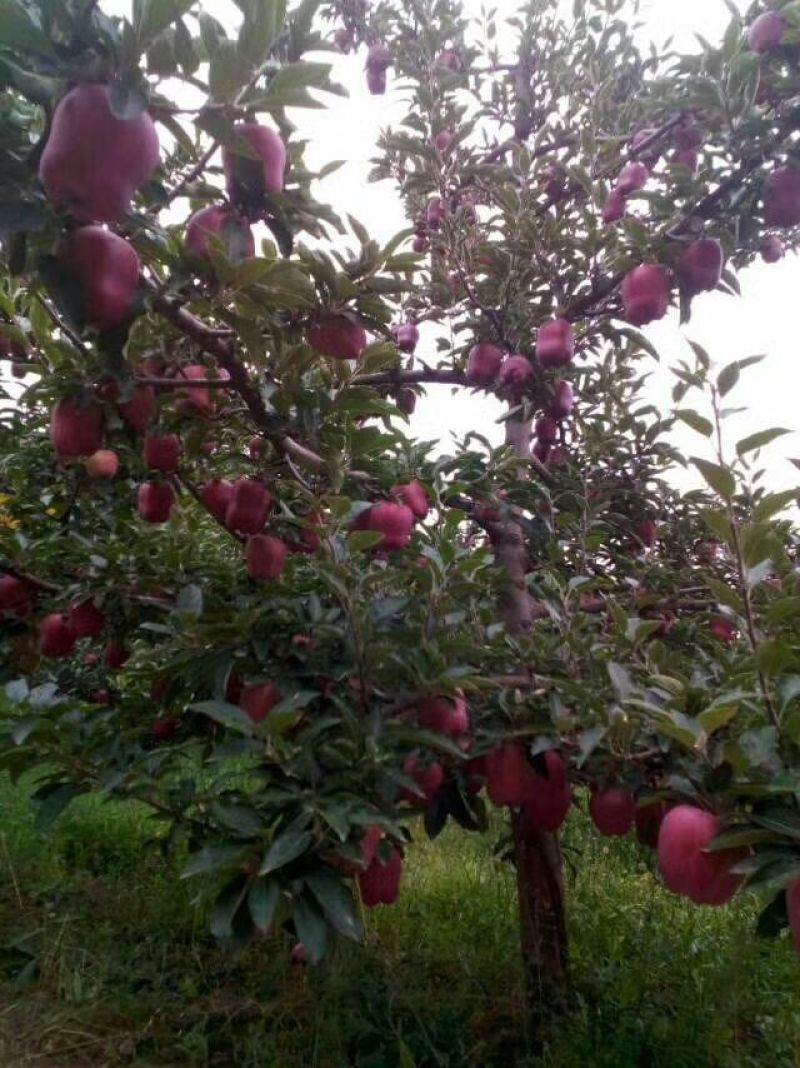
<point x="695" y="421"/>
<point x="337" y="903"/>
<point x="757" y="441"/>
<point x="263" y="899"/>
<point x="716" y="716"/>
<point x="226" y="75"/>
<point x="288" y="846"/>
<point x="782" y="820"/>
<point x="19" y="32"/>
<point x="720" y="479"/>
<point x="727" y="378"/>
<point x="53" y="802"/>
<point x="213" y="858"/>
<point x="226" y="906"/>
<point x="227" y="714"/>
<point x="155" y="16"/>
<point x="310" y="927"/>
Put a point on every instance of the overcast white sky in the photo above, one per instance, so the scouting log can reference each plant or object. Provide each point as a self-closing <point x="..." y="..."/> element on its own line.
<point x="764" y="320"/>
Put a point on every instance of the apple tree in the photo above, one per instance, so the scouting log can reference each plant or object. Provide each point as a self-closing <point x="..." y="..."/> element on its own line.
<point x="232" y="584"/>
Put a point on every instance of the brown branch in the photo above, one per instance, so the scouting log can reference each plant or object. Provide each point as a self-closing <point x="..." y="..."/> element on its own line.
<point x="186" y="383"/>
<point x="404" y="378"/>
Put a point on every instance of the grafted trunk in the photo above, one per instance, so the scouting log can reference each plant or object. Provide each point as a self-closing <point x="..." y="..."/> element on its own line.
<point x="537" y="854"/>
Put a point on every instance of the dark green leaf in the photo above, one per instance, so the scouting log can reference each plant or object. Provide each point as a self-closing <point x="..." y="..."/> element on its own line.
<point x="337" y="903"/>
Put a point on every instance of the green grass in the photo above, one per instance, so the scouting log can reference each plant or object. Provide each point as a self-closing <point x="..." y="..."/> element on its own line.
<point x="104" y="962"/>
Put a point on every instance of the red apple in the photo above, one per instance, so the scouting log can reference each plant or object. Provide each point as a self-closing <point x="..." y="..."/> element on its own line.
<point x="435" y="213"/>
<point x="515" y="377"/>
<point x="444" y="715"/>
<point x="686" y="864"/>
<point x="380" y="883"/>
<point x="115" y="655"/>
<point x="508" y="774"/>
<point x="107" y="268"/>
<point x="555" y="343"/>
<point x="216" y="221"/>
<point x="164" y="728"/>
<point x="56" y="637"/>
<point x="86" y="619"/>
<point x="298" y="954"/>
<point x="259" y="699"/>
<point x="379" y="58"/>
<point x="700" y="266"/>
<point x="266" y="556"/>
<point x="249" y="177"/>
<point x="771" y="249"/>
<point x="781" y="195"/>
<point x="102" y="464"/>
<point x="195" y="399"/>
<point x="685" y="157"/>
<point x="448" y="59"/>
<point x="76" y="427"/>
<point x="162" y="452"/>
<point x="394" y="521"/>
<point x="645" y="294"/>
<point x="442" y="140"/>
<point x="413" y="495"/>
<point x="215" y="496"/>
<point x="649" y="156"/>
<point x="376" y="81"/>
<point x="562" y="401"/>
<point x="15" y="595"/>
<point x="154" y="501"/>
<point x="647" y="533"/>
<point x="406" y="400"/>
<point x="483" y="363"/>
<point x="723" y="629"/>
<point x="343" y="39"/>
<point x="632" y="178"/>
<point x="420" y="244"/>
<point x="614" y="207"/>
<point x="766" y="32"/>
<point x="549" y="798"/>
<point x="612" y="810"/>
<point x="93" y="162"/>
<point x="138" y="410"/>
<point x="249" y="504"/>
<point x="337" y="336"/>
<point x="428" y="778"/>
<point x="406" y="336"/>
<point x="546" y="430"/>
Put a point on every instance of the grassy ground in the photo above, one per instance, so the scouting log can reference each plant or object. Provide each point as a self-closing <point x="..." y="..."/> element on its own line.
<point x="104" y="962"/>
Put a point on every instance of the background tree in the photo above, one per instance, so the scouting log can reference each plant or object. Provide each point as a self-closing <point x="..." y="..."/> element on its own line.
<point x="213" y="510"/>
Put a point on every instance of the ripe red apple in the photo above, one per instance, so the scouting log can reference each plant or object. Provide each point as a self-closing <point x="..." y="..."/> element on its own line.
<point x="448" y="59"/>
<point x="444" y="715"/>
<point x="645" y="294"/>
<point x="379" y="58"/>
<point x="781" y="195"/>
<point x="394" y="521"/>
<point x="138" y="410"/>
<point x="101" y="697"/>
<point x="298" y="954"/>
<point x="612" y="810"/>
<point x="562" y="401"/>
<point x="793" y="911"/>
<point x="420" y="244"/>
<point x="508" y="774"/>
<point x="649" y="156"/>
<point x="376" y="82"/>
<point x="380" y="883"/>
<point x="647" y="533"/>
<point x="265" y="556"/>
<point x="259" y="699"/>
<point x="195" y="399"/>
<point x="154" y="501"/>
<point x="723" y="629"/>
<point x="686" y="865"/>
<point x="76" y="427"/>
<point x="406" y="400"/>
<point x="369" y="844"/>
<point x="86" y="619"/>
<point x="546" y="430"/>
<point x="108" y="270"/>
<point x="648" y="822"/>
<point x="337" y="336"/>
<point x="216" y="495"/>
<point x="102" y="464"/>
<point x="548" y="800"/>
<point x="700" y="266"/>
<point x="56" y="637"/>
<point x="709" y="551"/>
<point x="555" y="343"/>
<point x="515" y="377"/>
<point x="406" y="336"/>
<point x="93" y="162"/>
<point x="247" y="511"/>
<point x="685" y="157"/>
<point x="442" y="140"/>
<point x="771" y="249"/>
<point x="249" y="177"/>
<point x="162" y="452"/>
<point x="164" y="728"/>
<point x="115" y="655"/>
<point x="216" y="221"/>
<point x="483" y="363"/>
<point x="428" y="779"/>
<point x="632" y="178"/>
<point x="15" y="595"/>
<point x="435" y="213"/>
<point x="413" y="495"/>
<point x="343" y="39"/>
<point x="614" y="207"/>
<point x="766" y="32"/>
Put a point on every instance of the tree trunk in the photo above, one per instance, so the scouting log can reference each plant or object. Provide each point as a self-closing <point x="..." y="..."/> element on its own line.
<point x="537" y="855"/>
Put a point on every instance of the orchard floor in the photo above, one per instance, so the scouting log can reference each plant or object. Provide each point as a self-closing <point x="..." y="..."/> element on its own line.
<point x="104" y="962"/>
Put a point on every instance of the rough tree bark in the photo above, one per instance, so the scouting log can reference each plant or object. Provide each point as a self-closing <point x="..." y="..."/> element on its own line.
<point x="537" y="855"/>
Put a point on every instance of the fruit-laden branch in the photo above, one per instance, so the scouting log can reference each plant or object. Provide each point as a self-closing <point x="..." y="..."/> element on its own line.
<point x="407" y="378"/>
